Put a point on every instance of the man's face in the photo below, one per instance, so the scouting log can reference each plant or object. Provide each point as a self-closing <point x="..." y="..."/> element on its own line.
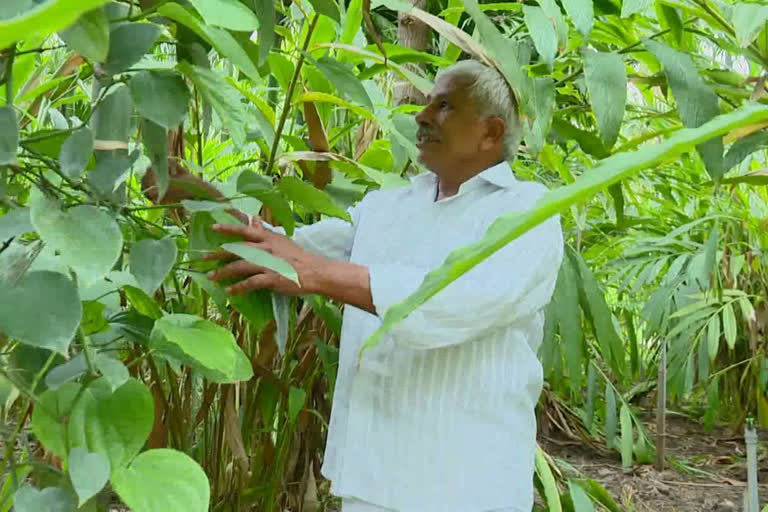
<point x="451" y="133"/>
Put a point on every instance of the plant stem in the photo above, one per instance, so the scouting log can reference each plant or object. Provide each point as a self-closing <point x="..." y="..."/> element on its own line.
<point x="289" y="95"/>
<point x="9" y="77"/>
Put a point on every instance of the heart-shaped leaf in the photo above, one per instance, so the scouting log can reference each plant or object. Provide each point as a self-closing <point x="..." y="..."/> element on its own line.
<point x="87" y="238"/>
<point x="151" y="260"/>
<point x="42" y="310"/>
<point x="115" y="372"/>
<point x="89" y="473"/>
<point x="128" y="43"/>
<point x="76" y="151"/>
<point x="66" y="372"/>
<point x="163" y="480"/>
<point x="161" y="97"/>
<point x="89" y="35"/>
<point x="202" y="344"/>
<point x="52" y="499"/>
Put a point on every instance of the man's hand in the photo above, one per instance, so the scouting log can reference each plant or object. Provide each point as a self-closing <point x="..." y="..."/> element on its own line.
<point x="253" y="277"/>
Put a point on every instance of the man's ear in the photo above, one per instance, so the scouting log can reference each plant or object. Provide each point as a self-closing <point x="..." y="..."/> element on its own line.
<point x="495" y="127"/>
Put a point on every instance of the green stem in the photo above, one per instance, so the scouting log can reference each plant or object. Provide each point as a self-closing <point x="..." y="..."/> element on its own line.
<point x="9" y="77"/>
<point x="289" y="95"/>
<point x="87" y="352"/>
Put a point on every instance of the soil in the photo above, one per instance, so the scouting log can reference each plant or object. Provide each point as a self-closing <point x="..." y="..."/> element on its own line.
<point x="705" y="471"/>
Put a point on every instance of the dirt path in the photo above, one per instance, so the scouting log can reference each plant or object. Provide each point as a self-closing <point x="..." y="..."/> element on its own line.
<point x="707" y="471"/>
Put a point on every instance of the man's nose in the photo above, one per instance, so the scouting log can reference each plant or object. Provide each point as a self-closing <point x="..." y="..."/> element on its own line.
<point x="422" y="117"/>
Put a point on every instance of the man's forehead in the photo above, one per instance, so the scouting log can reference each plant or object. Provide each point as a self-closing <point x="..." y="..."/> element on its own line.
<point x="448" y="85"/>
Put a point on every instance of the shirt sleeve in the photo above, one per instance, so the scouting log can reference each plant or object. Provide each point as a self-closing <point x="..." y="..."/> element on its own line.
<point x="513" y="283"/>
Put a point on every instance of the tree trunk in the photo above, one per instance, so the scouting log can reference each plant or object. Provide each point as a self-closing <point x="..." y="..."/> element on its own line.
<point x="411" y="33"/>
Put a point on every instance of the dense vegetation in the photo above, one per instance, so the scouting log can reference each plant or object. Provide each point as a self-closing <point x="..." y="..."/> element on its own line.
<point x="644" y="118"/>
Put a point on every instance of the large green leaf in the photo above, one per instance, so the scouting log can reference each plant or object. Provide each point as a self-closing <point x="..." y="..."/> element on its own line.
<point x="542" y="32"/>
<point x="112" y="118"/>
<point x="748" y="20"/>
<point x="744" y="147"/>
<point x="219" y="38"/>
<point x="311" y="198"/>
<point x="128" y="43"/>
<point x="582" y="13"/>
<point x="543" y="100"/>
<point x="696" y="101"/>
<point x="548" y="482"/>
<point x="580" y="499"/>
<point x="89" y="35"/>
<point x="610" y="415"/>
<point x="606" y="79"/>
<point x="263" y="259"/>
<point x="9" y="135"/>
<point x="14" y="223"/>
<point x="87" y="238"/>
<point x="44" y="19"/>
<point x="630" y="7"/>
<point x="51" y="499"/>
<point x="627" y="437"/>
<point x="713" y="336"/>
<point x="344" y="80"/>
<point x="89" y="473"/>
<point x="353" y="21"/>
<point x="328" y="8"/>
<point x="231" y="14"/>
<point x="265" y="11"/>
<point x="76" y="151"/>
<point x="509" y="227"/>
<point x="160" y="96"/>
<point x="566" y="300"/>
<point x="162" y="481"/>
<point x="151" y="260"/>
<point x="42" y="309"/>
<point x="222" y="96"/>
<point x="729" y="325"/>
<point x="252" y="184"/>
<point x="296" y="399"/>
<point x="203" y="344"/>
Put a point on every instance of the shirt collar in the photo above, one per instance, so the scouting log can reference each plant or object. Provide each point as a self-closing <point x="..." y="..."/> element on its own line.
<point x="500" y="175"/>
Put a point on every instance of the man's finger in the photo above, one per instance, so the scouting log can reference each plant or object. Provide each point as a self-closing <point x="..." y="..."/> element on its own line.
<point x="220" y="254"/>
<point x="249" y="233"/>
<point x="239" y="268"/>
<point x="257" y="282"/>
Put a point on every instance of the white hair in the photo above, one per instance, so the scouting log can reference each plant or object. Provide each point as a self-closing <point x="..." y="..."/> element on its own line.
<point x="490" y="93"/>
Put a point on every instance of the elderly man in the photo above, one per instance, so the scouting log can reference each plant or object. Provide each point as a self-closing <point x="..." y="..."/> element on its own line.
<point x="440" y="416"/>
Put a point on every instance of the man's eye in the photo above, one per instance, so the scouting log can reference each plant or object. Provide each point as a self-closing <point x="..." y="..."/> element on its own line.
<point x="443" y="104"/>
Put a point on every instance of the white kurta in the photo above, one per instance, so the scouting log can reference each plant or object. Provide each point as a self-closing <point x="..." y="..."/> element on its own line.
<point x="440" y="416"/>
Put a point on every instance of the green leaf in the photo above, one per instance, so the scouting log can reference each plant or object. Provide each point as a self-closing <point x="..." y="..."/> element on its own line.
<point x="155" y="139"/>
<point x="344" y="80"/>
<point x="75" y="152"/>
<point x="748" y="19"/>
<point x="582" y="13"/>
<point x="224" y="99"/>
<point x="555" y="15"/>
<point x="208" y="347"/>
<point x="87" y="238"/>
<point x="311" y="198"/>
<point x="729" y="325"/>
<point x="160" y="96"/>
<point x="713" y="336"/>
<point x="580" y="499"/>
<point x="43" y="19"/>
<point x="566" y="299"/>
<point x="161" y="481"/>
<point x="263" y="259"/>
<point x="543" y="99"/>
<point x="548" y="482"/>
<point x="112" y="118"/>
<point x="610" y="416"/>
<point x="89" y="35"/>
<point x="151" y="260"/>
<point x="66" y="372"/>
<point x="600" y="495"/>
<point x="353" y="21"/>
<point x="542" y="32"/>
<point x="296" y="399"/>
<point x="229" y="14"/>
<point x="52" y="499"/>
<point x="328" y="8"/>
<point x="627" y="437"/>
<point x="589" y="142"/>
<point x="42" y="310"/>
<point x="9" y="135"/>
<point x="14" y="223"/>
<point x="113" y="371"/>
<point x="510" y="226"/>
<point x="696" y="101"/>
<point x="89" y="473"/>
<point x="265" y="11"/>
<point x="142" y="302"/>
<point x="670" y="19"/>
<point x="606" y="79"/>
<point x="15" y="476"/>
<point x="744" y="147"/>
<point x="128" y="43"/>
<point x="630" y="7"/>
<point x="219" y="38"/>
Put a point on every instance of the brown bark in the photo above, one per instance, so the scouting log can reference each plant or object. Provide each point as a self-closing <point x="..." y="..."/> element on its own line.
<point x="411" y="33"/>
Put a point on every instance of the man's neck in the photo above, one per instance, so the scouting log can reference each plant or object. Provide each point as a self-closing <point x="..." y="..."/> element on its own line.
<point x="448" y="183"/>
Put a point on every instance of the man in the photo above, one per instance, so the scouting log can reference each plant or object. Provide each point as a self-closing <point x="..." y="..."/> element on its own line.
<point x="440" y="416"/>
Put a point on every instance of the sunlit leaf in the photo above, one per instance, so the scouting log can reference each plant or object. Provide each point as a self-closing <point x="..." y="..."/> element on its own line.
<point x="311" y="198"/>
<point x="263" y="259"/>
<point x="713" y="336"/>
<point x="748" y="19"/>
<point x="89" y="35"/>
<point x="44" y="19"/>
<point x="581" y="13"/>
<point x="89" y="473"/>
<point x="344" y="80"/>
<point x="627" y="437"/>
<point x="230" y="14"/>
<point x="729" y="325"/>
<point x="606" y="79"/>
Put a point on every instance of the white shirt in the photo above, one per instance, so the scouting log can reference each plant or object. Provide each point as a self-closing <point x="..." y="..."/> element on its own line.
<point x="439" y="417"/>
